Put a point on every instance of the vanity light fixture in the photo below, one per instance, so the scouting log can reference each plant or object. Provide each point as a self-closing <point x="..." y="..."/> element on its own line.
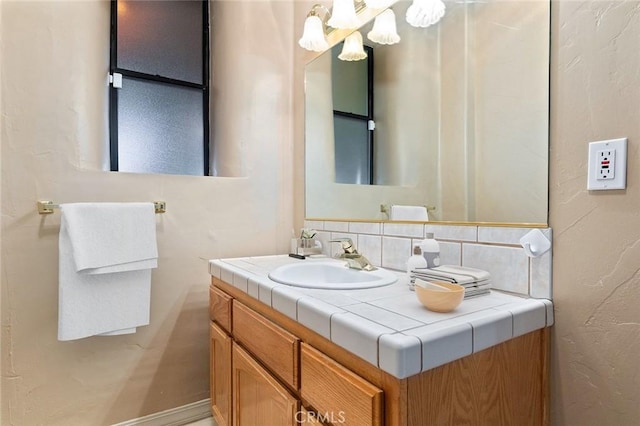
<point x="384" y="29"/>
<point x="352" y="50"/>
<point x="343" y="15"/>
<point x="423" y="13"/>
<point x="378" y="4"/>
<point x="314" y="36"/>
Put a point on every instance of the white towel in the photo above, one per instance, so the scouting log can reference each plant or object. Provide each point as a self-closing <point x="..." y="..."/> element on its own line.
<point x="95" y="240"/>
<point x="417" y="213"/>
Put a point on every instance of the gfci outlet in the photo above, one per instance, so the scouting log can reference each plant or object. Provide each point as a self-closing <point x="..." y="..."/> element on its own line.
<point x="607" y="165"/>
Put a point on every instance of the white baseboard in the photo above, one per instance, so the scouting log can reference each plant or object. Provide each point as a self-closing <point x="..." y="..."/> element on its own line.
<point x="175" y="416"/>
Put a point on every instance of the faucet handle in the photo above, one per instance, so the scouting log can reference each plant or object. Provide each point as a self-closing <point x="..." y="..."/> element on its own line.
<point x="347" y="245"/>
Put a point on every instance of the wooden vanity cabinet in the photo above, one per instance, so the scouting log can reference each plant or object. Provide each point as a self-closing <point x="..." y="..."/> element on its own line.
<point x="267" y="369"/>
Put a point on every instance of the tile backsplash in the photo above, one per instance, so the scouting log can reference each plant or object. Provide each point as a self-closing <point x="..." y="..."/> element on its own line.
<point x="492" y="248"/>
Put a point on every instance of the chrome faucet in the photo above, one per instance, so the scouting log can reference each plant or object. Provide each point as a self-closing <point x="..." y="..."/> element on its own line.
<point x="354" y="259"/>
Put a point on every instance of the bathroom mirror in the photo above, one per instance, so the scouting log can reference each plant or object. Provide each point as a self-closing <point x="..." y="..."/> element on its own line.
<point x="461" y="119"/>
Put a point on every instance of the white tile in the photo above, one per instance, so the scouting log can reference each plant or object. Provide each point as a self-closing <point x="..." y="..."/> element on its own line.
<point x="501" y="234"/>
<point x="240" y="281"/>
<point x="324" y="237"/>
<point x="226" y="275"/>
<point x="318" y="225"/>
<point x="265" y="285"/>
<point x="336" y="226"/>
<point x="443" y="343"/>
<point x="528" y="315"/>
<point x="549" y="305"/>
<point x="395" y="252"/>
<point x="253" y="288"/>
<point x="410" y="307"/>
<point x="357" y="335"/>
<point x="541" y="282"/>
<point x="383" y="317"/>
<point x="403" y="229"/>
<point x="453" y="232"/>
<point x="316" y="315"/>
<point x="336" y="298"/>
<point x="214" y="269"/>
<point x="400" y="355"/>
<point x="370" y="294"/>
<point x="490" y="327"/>
<point x="285" y="300"/>
<point x="365" y="228"/>
<point x="450" y="253"/>
<point x="370" y="246"/>
<point x="508" y="266"/>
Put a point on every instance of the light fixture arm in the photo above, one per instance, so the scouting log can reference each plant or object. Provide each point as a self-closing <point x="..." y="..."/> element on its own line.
<point x="315" y="12"/>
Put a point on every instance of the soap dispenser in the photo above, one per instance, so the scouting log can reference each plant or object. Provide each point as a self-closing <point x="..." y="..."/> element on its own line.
<point x="416" y="261"/>
<point x="431" y="251"/>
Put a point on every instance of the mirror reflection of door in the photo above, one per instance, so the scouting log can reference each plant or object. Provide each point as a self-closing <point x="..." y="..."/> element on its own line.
<point x="352" y="87"/>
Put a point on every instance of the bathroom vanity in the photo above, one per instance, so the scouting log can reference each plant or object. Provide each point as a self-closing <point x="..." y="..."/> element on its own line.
<point x="283" y="356"/>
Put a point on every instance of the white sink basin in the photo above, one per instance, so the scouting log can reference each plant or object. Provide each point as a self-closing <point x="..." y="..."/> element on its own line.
<point x="330" y="275"/>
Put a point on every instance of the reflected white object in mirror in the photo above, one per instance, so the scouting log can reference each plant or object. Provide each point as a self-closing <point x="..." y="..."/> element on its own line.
<point x="384" y="29"/>
<point x="352" y="50"/>
<point x="424" y="13"/>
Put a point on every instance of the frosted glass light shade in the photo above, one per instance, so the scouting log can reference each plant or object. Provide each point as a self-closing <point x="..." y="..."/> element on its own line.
<point x="384" y="29"/>
<point x="378" y="4"/>
<point x="313" y="37"/>
<point x="423" y="13"/>
<point x="343" y="15"/>
<point x="353" y="49"/>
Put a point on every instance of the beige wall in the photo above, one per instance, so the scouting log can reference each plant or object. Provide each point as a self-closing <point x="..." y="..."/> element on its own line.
<point x="596" y="255"/>
<point x="50" y="116"/>
<point x="54" y="65"/>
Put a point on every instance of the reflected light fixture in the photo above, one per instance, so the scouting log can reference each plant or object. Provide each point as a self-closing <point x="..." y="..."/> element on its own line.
<point x="423" y="13"/>
<point x="343" y="15"/>
<point x="384" y="29"/>
<point x="378" y="4"/>
<point x="313" y="36"/>
<point x="352" y="50"/>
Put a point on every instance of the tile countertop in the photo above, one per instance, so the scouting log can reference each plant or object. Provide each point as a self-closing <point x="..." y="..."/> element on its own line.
<point x="387" y="326"/>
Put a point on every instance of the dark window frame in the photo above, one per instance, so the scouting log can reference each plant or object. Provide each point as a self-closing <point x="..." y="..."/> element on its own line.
<point x="366" y="118"/>
<point x="113" y="92"/>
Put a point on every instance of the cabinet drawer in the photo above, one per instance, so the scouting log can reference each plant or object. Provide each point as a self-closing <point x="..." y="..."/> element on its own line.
<point x="274" y="347"/>
<point x="220" y="308"/>
<point x="335" y="391"/>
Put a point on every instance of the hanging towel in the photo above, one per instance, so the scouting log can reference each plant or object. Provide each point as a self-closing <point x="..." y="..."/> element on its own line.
<point x="417" y="213"/>
<point x="106" y="254"/>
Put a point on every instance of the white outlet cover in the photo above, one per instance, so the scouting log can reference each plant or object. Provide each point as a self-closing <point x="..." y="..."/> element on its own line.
<point x="620" y="170"/>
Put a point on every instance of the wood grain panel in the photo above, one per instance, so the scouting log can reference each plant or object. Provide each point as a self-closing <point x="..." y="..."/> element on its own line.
<point x="258" y="398"/>
<point x="220" y="308"/>
<point x="272" y="345"/>
<point x="220" y="370"/>
<point x="502" y="385"/>
<point x="337" y="392"/>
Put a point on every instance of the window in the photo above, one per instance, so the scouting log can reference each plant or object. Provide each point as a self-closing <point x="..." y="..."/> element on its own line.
<point x="159" y="96"/>
<point x="353" y="125"/>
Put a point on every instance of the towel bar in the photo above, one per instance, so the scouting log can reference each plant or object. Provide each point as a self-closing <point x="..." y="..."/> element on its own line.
<point x="47" y="207"/>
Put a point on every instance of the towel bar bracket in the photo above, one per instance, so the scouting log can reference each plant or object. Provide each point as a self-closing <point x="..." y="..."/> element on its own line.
<point x="47" y="207"/>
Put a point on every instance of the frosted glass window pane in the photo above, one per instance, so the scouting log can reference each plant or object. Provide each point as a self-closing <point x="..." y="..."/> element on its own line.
<point x="160" y="128"/>
<point x="152" y="36"/>
<point x="353" y="159"/>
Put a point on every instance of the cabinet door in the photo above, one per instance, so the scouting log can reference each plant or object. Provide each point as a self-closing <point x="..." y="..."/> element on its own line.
<point x="258" y="398"/>
<point x="220" y="380"/>
<point x="339" y="395"/>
